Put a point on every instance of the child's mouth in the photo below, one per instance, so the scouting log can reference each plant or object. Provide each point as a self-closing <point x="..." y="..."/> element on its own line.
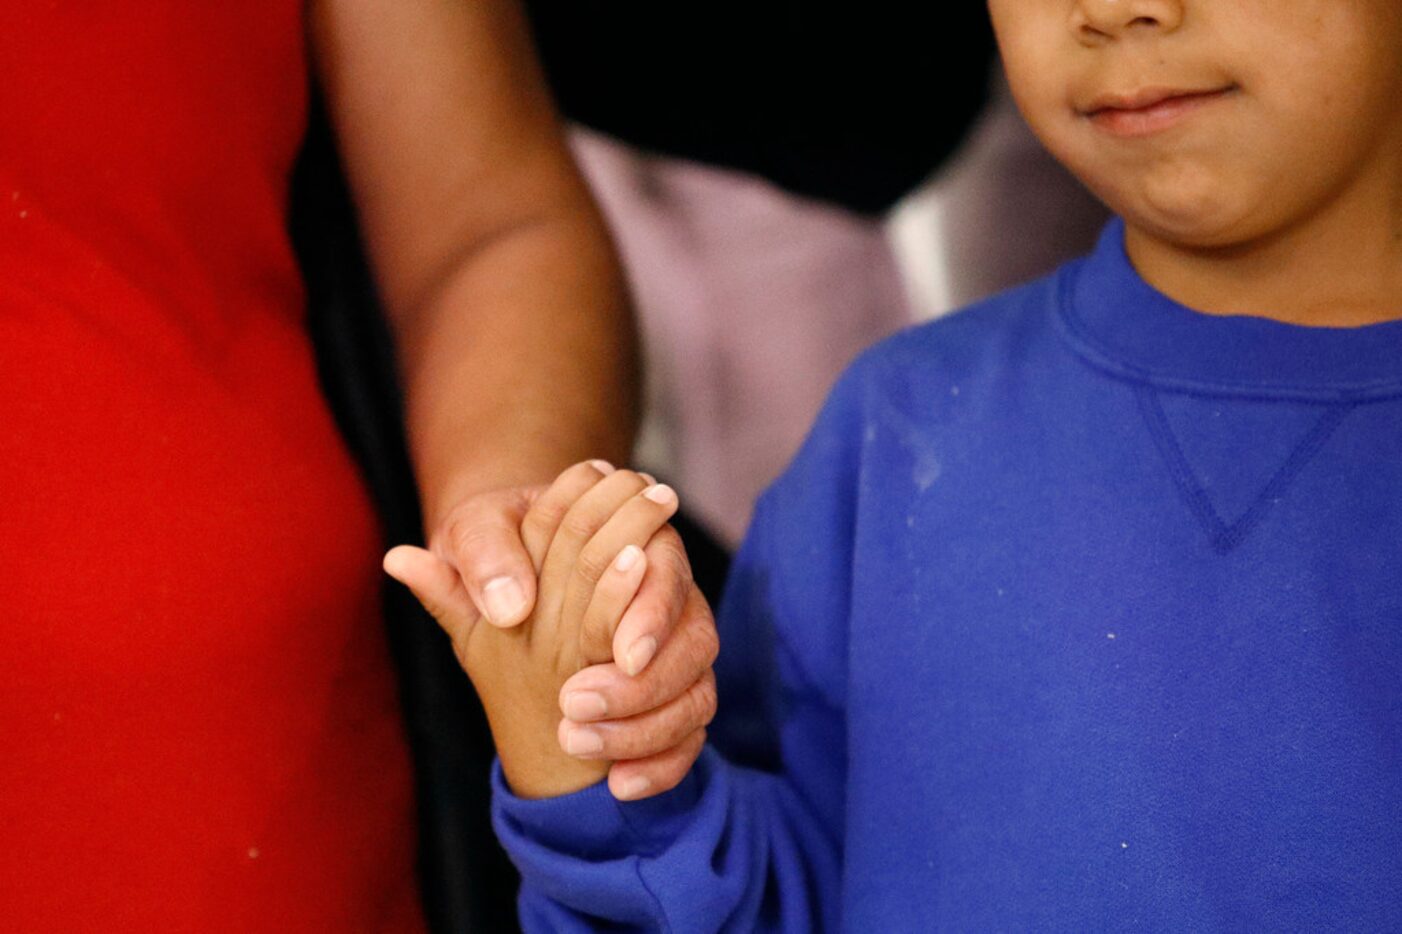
<point x="1150" y="110"/>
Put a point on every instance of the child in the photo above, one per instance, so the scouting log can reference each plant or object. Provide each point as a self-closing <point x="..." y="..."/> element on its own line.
<point x="1083" y="605"/>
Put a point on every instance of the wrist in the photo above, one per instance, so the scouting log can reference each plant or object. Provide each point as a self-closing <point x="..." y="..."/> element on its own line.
<point x="534" y="765"/>
<point x="556" y="777"/>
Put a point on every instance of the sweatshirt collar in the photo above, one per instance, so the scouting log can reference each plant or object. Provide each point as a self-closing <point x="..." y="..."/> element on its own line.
<point x="1121" y="324"/>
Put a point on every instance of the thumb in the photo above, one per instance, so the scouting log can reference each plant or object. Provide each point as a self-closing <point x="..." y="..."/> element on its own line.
<point x="436" y="585"/>
<point x="483" y="541"/>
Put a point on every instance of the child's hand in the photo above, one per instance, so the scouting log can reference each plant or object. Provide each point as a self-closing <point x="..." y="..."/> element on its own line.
<point x="584" y="534"/>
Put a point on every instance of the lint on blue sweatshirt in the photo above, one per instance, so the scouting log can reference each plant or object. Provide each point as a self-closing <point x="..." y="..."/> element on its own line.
<point x="1078" y="610"/>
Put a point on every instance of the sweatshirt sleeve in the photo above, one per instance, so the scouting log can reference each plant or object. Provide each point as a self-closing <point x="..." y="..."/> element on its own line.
<point x="731" y="848"/>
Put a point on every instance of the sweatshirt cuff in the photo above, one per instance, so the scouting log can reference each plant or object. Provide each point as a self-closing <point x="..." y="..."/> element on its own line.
<point x="591" y="824"/>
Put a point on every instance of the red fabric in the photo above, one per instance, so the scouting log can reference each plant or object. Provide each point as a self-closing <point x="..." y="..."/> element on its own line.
<point x="198" y="722"/>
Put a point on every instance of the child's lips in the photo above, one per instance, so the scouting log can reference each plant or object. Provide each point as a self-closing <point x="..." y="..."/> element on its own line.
<point x="1150" y="110"/>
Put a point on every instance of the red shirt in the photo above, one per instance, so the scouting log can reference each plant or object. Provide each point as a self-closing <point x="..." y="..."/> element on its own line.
<point x="199" y="727"/>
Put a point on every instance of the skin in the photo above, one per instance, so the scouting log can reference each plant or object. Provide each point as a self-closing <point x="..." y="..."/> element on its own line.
<point x="507" y="305"/>
<point x="585" y="534"/>
<point x="1281" y="197"/>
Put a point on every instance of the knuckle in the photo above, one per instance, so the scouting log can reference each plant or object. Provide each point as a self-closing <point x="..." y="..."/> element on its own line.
<point x="565" y="659"/>
<point x="705" y="643"/>
<point x="672" y="553"/>
<point x="473" y="542"/>
<point x="668" y="774"/>
<point x="459" y="532"/>
<point x="594" y="640"/>
<point x="591" y="564"/>
<point x="709" y="699"/>
<point x="651" y="695"/>
<point x="630" y="477"/>
<point x="680" y="595"/>
<point x="700" y="704"/>
<point x="643" y="743"/>
<point x="543" y="518"/>
<point x="666" y="551"/>
<point x="579" y="525"/>
<point x="466" y="510"/>
<point x="670" y="581"/>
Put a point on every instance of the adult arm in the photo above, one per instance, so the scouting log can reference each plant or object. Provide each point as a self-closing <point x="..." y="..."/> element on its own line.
<point x="514" y="341"/>
<point x="507" y="306"/>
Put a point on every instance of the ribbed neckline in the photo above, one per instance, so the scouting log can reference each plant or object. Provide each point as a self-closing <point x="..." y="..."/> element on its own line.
<point x="1121" y="324"/>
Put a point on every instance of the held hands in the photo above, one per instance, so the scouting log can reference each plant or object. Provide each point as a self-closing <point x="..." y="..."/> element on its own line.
<point x="618" y="636"/>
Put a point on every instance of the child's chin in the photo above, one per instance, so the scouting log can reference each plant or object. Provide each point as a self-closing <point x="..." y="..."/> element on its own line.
<point x="1197" y="222"/>
<point x="1192" y="233"/>
<point x="1178" y="202"/>
<point x="1194" y="209"/>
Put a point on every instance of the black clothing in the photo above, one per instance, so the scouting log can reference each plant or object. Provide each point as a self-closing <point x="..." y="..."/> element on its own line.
<point x="852" y="104"/>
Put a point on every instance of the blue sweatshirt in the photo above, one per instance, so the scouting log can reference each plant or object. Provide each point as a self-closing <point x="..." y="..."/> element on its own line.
<point x="1079" y="610"/>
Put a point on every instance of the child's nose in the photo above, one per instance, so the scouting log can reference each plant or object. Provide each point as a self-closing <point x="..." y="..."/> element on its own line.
<point x="1096" y="21"/>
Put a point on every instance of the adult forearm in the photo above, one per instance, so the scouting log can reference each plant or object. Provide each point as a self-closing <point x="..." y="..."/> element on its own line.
<point x="519" y="361"/>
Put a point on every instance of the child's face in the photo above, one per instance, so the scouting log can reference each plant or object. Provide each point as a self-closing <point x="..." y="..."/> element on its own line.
<point x="1211" y="122"/>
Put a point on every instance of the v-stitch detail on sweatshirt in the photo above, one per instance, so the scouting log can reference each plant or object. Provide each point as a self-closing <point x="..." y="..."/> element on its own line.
<point x="1226" y="536"/>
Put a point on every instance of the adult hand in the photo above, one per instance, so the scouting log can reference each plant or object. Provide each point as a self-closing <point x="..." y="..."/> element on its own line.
<point x="481" y="538"/>
<point x="648" y="710"/>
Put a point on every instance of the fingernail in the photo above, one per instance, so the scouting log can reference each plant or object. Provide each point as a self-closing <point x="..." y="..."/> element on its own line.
<point x="581" y="706"/>
<point x="504" y="598"/>
<point x="639" y="654"/>
<point x="627" y="558"/>
<point x="583" y="742"/>
<point x="660" y="493"/>
<point x="603" y="467"/>
<point x="648" y="477"/>
<point x="634" y="787"/>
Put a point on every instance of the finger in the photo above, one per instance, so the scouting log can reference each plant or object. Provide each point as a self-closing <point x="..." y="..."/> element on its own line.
<point x="605" y="691"/>
<point x="647" y="734"/>
<point x="663" y="598"/>
<point x="635" y="522"/>
<point x="643" y="778"/>
<point x="482" y="539"/>
<point x="544" y="517"/>
<point x="436" y="585"/>
<point x="585" y="517"/>
<point x="615" y="590"/>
